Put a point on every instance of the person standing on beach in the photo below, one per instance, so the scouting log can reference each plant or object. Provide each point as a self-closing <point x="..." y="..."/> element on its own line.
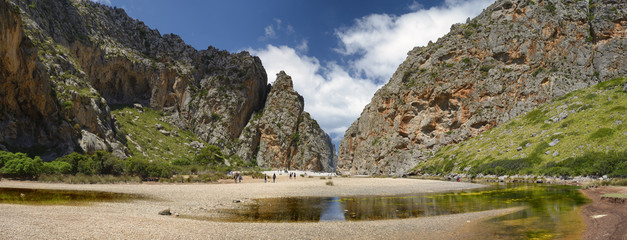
<point x="273" y="177"/>
<point x="265" y="178"/>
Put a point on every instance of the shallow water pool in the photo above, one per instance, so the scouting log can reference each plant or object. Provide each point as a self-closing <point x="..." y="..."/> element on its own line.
<point x="59" y="197"/>
<point x="549" y="211"/>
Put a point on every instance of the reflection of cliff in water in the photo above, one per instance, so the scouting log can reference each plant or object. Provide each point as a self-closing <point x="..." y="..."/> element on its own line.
<point x="332" y="210"/>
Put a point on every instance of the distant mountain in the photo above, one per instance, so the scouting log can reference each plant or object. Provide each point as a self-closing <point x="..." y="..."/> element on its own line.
<point x="513" y="57"/>
<point x="65" y="63"/>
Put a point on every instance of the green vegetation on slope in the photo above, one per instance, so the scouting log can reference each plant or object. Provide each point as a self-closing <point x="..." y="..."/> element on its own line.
<point x="148" y="137"/>
<point x="580" y="134"/>
<point x="158" y="150"/>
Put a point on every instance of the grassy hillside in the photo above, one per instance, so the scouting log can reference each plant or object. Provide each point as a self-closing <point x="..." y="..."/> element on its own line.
<point x="582" y="133"/>
<point x="146" y="140"/>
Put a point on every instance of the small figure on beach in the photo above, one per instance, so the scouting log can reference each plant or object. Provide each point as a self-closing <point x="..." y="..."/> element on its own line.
<point x="273" y="177"/>
<point x="265" y="178"/>
<point x="235" y="177"/>
<point x="240" y="178"/>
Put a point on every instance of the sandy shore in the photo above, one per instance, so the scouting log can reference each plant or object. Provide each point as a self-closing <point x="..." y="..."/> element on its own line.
<point x="139" y="219"/>
<point x="604" y="219"/>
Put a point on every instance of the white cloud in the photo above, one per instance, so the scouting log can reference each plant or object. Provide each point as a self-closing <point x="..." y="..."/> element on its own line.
<point x="415" y="6"/>
<point x="275" y="29"/>
<point x="381" y="41"/>
<point x="335" y="94"/>
<point x="106" y="2"/>
<point x="303" y="46"/>
<point x="333" y="97"/>
<point x="270" y="33"/>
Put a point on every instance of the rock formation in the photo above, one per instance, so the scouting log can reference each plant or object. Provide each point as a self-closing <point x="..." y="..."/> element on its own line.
<point x="514" y="56"/>
<point x="63" y="62"/>
<point x="284" y="136"/>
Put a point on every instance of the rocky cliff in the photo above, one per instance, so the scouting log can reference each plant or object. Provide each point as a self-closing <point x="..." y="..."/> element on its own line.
<point x="63" y="63"/>
<point x="512" y="57"/>
<point x="283" y="135"/>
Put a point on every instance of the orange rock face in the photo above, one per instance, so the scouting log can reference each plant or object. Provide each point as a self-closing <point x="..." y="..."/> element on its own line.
<point x="508" y="60"/>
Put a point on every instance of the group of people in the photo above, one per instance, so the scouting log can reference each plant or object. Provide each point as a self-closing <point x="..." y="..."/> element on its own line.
<point x="265" y="178"/>
<point x="237" y="176"/>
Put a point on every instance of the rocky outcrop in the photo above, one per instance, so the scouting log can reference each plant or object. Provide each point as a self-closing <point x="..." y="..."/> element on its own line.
<point x="64" y="62"/>
<point x="36" y="112"/>
<point x="513" y="57"/>
<point x="284" y="136"/>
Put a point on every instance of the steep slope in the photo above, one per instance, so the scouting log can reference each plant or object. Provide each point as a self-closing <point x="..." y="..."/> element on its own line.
<point x="43" y="108"/>
<point x="512" y="57"/>
<point x="63" y="62"/>
<point x="580" y="133"/>
<point x="284" y="136"/>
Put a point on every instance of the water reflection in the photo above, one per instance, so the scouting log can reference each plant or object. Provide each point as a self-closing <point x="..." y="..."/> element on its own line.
<point x="541" y="201"/>
<point x="59" y="197"/>
<point x="333" y="210"/>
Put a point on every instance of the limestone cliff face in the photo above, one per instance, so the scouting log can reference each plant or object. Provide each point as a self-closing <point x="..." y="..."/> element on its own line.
<point x="64" y="62"/>
<point x="67" y="60"/>
<point x="38" y="111"/>
<point x="508" y="60"/>
<point x="284" y="136"/>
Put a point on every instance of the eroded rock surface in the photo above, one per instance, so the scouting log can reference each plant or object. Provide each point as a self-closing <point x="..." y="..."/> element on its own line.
<point x="284" y="136"/>
<point x="63" y="63"/>
<point x="511" y="58"/>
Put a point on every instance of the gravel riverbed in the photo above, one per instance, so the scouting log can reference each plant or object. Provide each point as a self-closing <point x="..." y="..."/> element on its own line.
<point x="139" y="219"/>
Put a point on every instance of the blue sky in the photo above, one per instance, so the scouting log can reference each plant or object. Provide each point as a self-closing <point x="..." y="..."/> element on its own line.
<point x="337" y="52"/>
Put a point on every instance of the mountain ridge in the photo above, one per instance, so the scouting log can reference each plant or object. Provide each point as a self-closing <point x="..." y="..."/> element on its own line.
<point x="83" y="56"/>
<point x="511" y="58"/>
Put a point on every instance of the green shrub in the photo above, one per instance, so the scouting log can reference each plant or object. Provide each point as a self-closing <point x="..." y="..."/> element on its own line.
<point x="613" y="164"/>
<point x="609" y="84"/>
<point x="20" y="165"/>
<point x="77" y="162"/>
<point x="538" y="71"/>
<point x="601" y="133"/>
<point x="107" y="164"/>
<point x="209" y="155"/>
<point x="329" y="183"/>
<point x="146" y="169"/>
<point x="257" y="175"/>
<point x="57" y="167"/>
<point x="182" y="162"/>
<point x="294" y="137"/>
<point x="549" y="6"/>
<point x="535" y="116"/>
<point x="590" y="96"/>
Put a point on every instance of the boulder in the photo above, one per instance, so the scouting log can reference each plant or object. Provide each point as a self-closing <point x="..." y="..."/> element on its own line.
<point x="91" y="143"/>
<point x="165" y="212"/>
<point x="139" y="107"/>
<point x="197" y="145"/>
<point x="554" y="142"/>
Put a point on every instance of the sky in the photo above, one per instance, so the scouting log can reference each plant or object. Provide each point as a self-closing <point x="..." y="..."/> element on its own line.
<point x="338" y="52"/>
